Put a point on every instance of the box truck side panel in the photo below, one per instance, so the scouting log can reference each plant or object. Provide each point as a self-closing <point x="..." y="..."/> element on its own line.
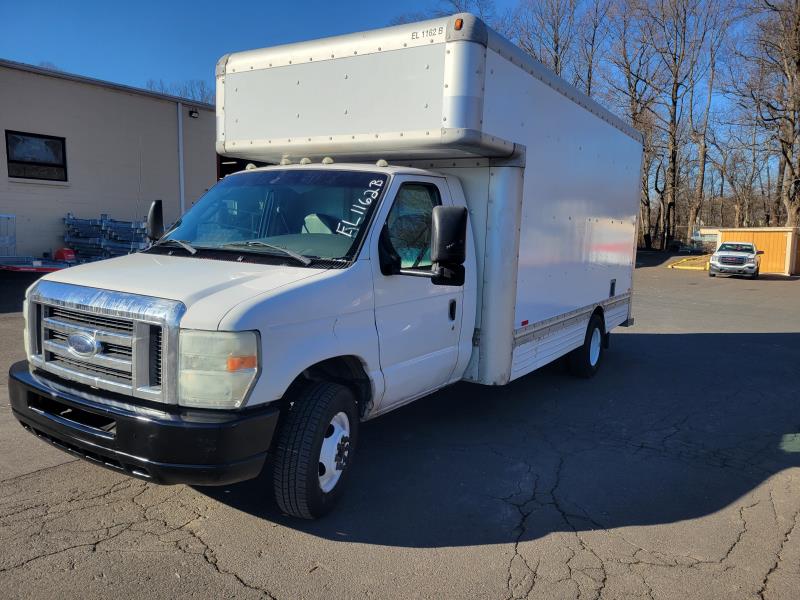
<point x="580" y="196"/>
<point x="580" y="201"/>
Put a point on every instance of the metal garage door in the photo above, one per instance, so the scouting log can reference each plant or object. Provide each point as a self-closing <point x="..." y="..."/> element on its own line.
<point x="773" y="243"/>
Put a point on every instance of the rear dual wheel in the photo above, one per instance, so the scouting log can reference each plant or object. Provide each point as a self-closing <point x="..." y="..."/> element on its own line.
<point x="585" y="361"/>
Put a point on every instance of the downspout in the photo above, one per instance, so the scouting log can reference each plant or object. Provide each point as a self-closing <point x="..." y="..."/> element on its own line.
<point x="181" y="193"/>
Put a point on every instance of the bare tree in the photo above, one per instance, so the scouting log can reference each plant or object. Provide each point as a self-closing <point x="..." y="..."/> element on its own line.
<point x="546" y="30"/>
<point x="593" y="31"/>
<point x="485" y="9"/>
<point x="677" y="29"/>
<point x="773" y="54"/>
<point x="717" y="26"/>
<point x="633" y="80"/>
<point x="46" y="64"/>
<point x="193" y="89"/>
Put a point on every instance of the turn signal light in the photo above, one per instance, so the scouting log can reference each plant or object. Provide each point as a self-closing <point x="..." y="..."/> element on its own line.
<point x="459" y="24"/>
<point x="238" y="363"/>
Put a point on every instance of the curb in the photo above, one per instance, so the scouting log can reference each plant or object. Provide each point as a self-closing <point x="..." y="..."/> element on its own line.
<point x="678" y="264"/>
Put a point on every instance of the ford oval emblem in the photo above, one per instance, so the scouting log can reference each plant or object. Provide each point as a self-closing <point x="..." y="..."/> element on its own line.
<point x="83" y="344"/>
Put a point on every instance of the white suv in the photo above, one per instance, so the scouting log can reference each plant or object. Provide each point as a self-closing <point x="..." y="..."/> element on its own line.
<point x="735" y="258"/>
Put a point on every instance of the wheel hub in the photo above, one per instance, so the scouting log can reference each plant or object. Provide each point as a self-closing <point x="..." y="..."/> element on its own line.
<point x="594" y="347"/>
<point x="335" y="452"/>
<point x="342" y="453"/>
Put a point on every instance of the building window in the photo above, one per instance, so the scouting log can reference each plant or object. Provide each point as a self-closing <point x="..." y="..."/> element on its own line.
<point x="34" y="156"/>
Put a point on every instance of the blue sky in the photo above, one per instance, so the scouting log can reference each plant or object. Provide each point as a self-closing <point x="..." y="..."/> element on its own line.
<point x="131" y="42"/>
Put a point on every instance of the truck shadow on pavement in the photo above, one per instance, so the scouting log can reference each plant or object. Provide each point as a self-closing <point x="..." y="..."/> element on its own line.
<point x="673" y="427"/>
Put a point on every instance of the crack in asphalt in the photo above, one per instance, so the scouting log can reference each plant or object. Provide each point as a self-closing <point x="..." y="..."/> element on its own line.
<point x="37" y="471"/>
<point x="598" y="575"/>
<point x="210" y="558"/>
<point x="87" y="500"/>
<point x="521" y="528"/>
<point x="778" y="555"/>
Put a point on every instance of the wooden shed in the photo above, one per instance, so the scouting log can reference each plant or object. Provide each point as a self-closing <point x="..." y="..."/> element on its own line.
<point x="780" y="245"/>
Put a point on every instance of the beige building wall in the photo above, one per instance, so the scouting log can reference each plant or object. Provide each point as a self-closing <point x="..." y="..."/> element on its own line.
<point x="199" y="155"/>
<point x="121" y="153"/>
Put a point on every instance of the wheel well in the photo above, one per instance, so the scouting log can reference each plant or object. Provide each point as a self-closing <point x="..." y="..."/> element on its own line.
<point x="345" y="370"/>
<point x="606" y="336"/>
<point x="599" y="311"/>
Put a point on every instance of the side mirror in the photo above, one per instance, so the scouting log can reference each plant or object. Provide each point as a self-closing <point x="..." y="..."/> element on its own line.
<point x="449" y="245"/>
<point x="449" y="235"/>
<point x="760" y="252"/>
<point x="155" y="221"/>
<point x="388" y="258"/>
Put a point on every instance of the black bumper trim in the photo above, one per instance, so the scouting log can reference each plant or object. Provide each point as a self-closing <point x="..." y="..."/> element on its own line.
<point x="192" y="446"/>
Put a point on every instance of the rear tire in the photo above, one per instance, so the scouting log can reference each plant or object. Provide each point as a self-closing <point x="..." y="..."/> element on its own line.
<point x="584" y="361"/>
<point x="315" y="448"/>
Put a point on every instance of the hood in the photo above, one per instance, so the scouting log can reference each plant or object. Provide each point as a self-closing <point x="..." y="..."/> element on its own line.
<point x="734" y="253"/>
<point x="208" y="288"/>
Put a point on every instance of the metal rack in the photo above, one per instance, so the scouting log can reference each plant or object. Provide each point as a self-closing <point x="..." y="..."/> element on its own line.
<point x="95" y="239"/>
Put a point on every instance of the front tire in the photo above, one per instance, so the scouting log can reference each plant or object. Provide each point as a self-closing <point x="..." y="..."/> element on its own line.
<point x="755" y="275"/>
<point x="585" y="361"/>
<point x="315" y="447"/>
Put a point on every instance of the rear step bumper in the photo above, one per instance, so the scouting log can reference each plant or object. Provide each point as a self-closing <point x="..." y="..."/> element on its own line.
<point x="192" y="446"/>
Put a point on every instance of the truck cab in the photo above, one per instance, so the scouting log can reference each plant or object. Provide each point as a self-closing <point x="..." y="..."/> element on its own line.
<point x="308" y="278"/>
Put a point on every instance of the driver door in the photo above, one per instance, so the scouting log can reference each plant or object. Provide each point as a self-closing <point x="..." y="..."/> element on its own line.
<point x="418" y="323"/>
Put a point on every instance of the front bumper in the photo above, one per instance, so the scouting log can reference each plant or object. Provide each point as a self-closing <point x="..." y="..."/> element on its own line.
<point x="732" y="269"/>
<point x="192" y="446"/>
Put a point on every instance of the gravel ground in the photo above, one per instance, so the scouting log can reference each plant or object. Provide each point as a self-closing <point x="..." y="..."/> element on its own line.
<point x="674" y="473"/>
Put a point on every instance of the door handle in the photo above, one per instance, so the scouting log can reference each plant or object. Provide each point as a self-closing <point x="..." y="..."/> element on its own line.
<point x="452" y="310"/>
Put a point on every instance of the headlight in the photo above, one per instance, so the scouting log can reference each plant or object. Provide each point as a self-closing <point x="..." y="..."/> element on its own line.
<point x="750" y="260"/>
<point x="714" y="258"/>
<point x="216" y="369"/>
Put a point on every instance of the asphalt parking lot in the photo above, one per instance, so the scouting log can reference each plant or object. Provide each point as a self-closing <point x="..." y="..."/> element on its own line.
<point x="674" y="473"/>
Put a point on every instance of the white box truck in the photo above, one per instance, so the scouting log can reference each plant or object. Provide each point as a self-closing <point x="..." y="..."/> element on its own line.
<point x="442" y="208"/>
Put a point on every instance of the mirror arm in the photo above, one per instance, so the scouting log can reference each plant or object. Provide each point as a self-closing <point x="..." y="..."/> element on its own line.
<point x="415" y="273"/>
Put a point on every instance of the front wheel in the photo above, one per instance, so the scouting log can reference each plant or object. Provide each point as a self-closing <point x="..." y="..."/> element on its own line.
<point x="755" y="275"/>
<point x="585" y="361"/>
<point x="315" y="448"/>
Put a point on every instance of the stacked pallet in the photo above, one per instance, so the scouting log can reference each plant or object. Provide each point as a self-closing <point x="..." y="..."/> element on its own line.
<point x="95" y="239"/>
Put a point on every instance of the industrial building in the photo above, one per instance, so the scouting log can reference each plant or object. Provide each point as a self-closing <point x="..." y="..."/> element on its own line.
<point x="78" y="145"/>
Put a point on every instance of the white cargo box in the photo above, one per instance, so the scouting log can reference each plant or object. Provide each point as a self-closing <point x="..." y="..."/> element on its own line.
<point x="423" y="90"/>
<point x="551" y="179"/>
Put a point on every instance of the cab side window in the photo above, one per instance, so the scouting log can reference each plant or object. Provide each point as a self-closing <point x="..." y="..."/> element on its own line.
<point x="409" y="224"/>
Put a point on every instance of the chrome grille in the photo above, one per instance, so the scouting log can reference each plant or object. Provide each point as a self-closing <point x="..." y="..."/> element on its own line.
<point x="131" y="335"/>
<point x="732" y="260"/>
<point x="91" y="320"/>
<point x="156" y="350"/>
<point x="93" y="370"/>
<point x="113" y="352"/>
<point x="115" y="338"/>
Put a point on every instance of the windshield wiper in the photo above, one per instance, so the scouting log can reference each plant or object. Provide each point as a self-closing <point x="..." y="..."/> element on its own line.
<point x="183" y="244"/>
<point x="258" y="244"/>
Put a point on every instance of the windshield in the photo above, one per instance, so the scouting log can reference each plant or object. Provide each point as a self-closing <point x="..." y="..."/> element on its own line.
<point x="735" y="248"/>
<point x="319" y="214"/>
